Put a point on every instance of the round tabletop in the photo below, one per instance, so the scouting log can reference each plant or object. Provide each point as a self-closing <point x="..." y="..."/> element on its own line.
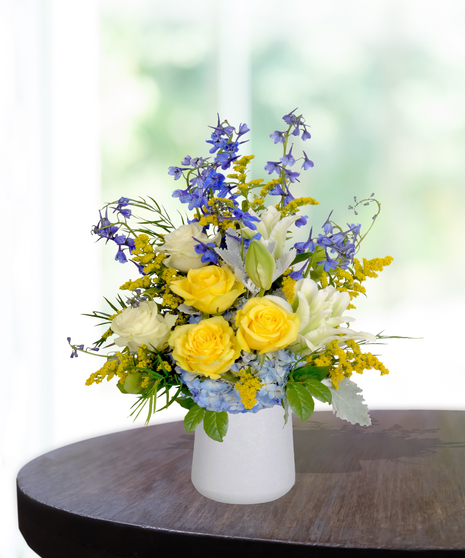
<point x="394" y="487"/>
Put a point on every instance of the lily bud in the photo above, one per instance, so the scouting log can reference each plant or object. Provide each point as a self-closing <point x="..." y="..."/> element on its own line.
<point x="260" y="264"/>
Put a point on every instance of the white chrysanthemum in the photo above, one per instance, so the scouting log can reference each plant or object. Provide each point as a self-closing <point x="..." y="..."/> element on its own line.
<point x="320" y="312"/>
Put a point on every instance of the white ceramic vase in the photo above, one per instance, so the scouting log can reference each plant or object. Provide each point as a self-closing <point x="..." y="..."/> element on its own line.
<point x="254" y="463"/>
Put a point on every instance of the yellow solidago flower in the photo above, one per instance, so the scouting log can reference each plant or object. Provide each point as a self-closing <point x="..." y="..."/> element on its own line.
<point x="294" y="205"/>
<point x="168" y="275"/>
<point x="141" y="283"/>
<point x="144" y="357"/>
<point x="108" y="333"/>
<point x="208" y="220"/>
<point x="288" y="288"/>
<point x="324" y="279"/>
<point x="171" y="300"/>
<point x="258" y="203"/>
<point x="142" y="245"/>
<point x="345" y="361"/>
<point x="351" y="281"/>
<point x="117" y="365"/>
<point x="248" y="386"/>
<point x="241" y="164"/>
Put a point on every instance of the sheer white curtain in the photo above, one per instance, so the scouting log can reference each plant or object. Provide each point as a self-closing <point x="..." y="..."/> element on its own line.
<point x="49" y="157"/>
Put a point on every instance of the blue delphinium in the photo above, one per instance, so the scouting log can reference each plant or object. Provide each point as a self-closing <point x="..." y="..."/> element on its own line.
<point x="339" y="248"/>
<point x="108" y="230"/>
<point x="205" y="182"/>
<point x="122" y="209"/>
<point x="340" y="245"/>
<point x="207" y="251"/>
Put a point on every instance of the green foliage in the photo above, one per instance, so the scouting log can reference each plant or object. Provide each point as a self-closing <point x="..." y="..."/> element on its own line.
<point x="150" y="397"/>
<point x="300" y="400"/>
<point x="121" y="388"/>
<point x="193" y="417"/>
<point x="101" y="316"/>
<point x="318" y="390"/>
<point x="285" y="406"/>
<point x="303" y="385"/>
<point x="302" y="257"/>
<point x="162" y="383"/>
<point x="164" y="222"/>
<point x="120" y="301"/>
<point x="185" y="402"/>
<point x="309" y="373"/>
<point x="216" y="424"/>
<point x="133" y="383"/>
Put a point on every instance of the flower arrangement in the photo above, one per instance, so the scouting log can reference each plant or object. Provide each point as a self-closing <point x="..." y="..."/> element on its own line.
<point x="228" y="316"/>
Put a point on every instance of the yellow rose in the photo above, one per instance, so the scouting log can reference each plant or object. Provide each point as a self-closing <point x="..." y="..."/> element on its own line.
<point x="208" y="348"/>
<point x="210" y="289"/>
<point x="266" y="326"/>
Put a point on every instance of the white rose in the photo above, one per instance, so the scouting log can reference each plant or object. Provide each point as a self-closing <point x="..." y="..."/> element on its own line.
<point x="180" y="246"/>
<point x="142" y="326"/>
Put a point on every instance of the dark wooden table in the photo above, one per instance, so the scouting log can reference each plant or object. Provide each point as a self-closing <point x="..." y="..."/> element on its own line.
<point x="396" y="488"/>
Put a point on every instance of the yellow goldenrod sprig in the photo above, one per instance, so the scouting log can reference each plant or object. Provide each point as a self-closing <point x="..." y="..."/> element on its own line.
<point x="248" y="386"/>
<point x="294" y="205"/>
<point x="350" y="281"/>
<point x="344" y="361"/>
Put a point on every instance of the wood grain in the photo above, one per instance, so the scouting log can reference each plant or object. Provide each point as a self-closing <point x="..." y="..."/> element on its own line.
<point x="390" y="489"/>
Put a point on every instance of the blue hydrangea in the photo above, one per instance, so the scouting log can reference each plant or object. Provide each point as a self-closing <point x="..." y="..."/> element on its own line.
<point x="220" y="395"/>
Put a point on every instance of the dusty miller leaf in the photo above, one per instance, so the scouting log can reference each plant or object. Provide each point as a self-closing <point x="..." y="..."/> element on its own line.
<point x="348" y="403"/>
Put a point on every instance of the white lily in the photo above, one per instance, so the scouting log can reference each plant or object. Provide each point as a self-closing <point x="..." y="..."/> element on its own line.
<point x="320" y="312"/>
<point x="272" y="227"/>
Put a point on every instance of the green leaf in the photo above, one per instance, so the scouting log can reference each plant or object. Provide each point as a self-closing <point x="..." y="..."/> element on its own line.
<point x="186" y="402"/>
<point x="121" y="301"/>
<point x="285" y="405"/>
<point x="170" y="400"/>
<point x="110" y="304"/>
<point x="300" y="400"/>
<point x="229" y="376"/>
<point x="302" y="257"/>
<point x="310" y="373"/>
<point x="121" y="388"/>
<point x="319" y="390"/>
<point x="132" y="383"/>
<point x="193" y="417"/>
<point x="216" y="425"/>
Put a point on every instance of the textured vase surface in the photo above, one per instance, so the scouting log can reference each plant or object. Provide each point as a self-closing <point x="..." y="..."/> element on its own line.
<point x="254" y="463"/>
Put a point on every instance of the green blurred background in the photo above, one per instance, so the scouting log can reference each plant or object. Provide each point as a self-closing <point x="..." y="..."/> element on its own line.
<point x="382" y="85"/>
